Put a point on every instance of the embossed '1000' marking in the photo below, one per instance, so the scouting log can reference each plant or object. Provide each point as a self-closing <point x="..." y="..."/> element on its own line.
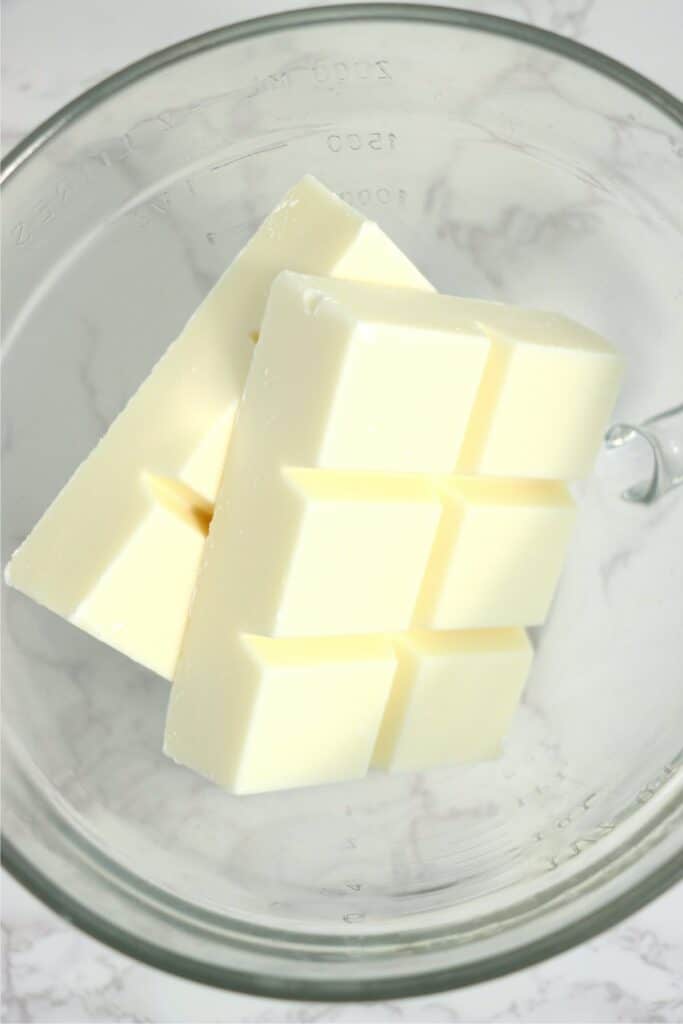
<point x="351" y="71"/>
<point x="380" y="195"/>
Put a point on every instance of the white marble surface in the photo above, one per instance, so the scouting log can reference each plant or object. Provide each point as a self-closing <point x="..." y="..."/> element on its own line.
<point x="52" y="972"/>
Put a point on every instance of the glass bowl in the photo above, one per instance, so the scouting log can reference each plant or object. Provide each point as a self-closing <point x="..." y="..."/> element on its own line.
<point x="508" y="163"/>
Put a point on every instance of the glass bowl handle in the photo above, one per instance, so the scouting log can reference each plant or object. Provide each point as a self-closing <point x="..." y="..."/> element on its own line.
<point x="663" y="436"/>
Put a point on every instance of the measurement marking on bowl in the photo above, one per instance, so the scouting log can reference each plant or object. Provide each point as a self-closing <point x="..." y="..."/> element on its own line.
<point x="89" y="166"/>
<point x="381" y="195"/>
<point x="357" y="141"/>
<point x="584" y="842"/>
<point x="146" y="132"/>
<point x="341" y="71"/>
<point x="667" y="772"/>
<point x="326" y="74"/>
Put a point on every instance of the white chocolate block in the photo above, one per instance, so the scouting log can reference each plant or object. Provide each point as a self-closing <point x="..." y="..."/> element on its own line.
<point x="396" y="375"/>
<point x="549" y="389"/>
<point x="301" y="408"/>
<point x="453" y="697"/>
<point x="285" y="712"/>
<point x="298" y="547"/>
<point x="346" y="554"/>
<point x="498" y="554"/>
<point x="103" y="555"/>
<point x="143" y="579"/>
<point x="139" y="604"/>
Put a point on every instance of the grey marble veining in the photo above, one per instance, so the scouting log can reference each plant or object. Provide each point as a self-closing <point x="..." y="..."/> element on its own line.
<point x="50" y="972"/>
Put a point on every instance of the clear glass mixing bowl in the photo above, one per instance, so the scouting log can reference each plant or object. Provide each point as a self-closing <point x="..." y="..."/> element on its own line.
<point x="511" y="164"/>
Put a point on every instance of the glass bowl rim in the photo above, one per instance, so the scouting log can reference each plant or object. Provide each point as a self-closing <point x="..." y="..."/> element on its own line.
<point x="423" y="983"/>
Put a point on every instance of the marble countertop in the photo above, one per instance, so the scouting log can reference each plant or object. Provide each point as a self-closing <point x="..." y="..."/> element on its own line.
<point x="50" y="971"/>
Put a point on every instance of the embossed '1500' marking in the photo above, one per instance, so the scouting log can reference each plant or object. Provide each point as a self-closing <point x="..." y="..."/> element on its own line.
<point x="356" y="141"/>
